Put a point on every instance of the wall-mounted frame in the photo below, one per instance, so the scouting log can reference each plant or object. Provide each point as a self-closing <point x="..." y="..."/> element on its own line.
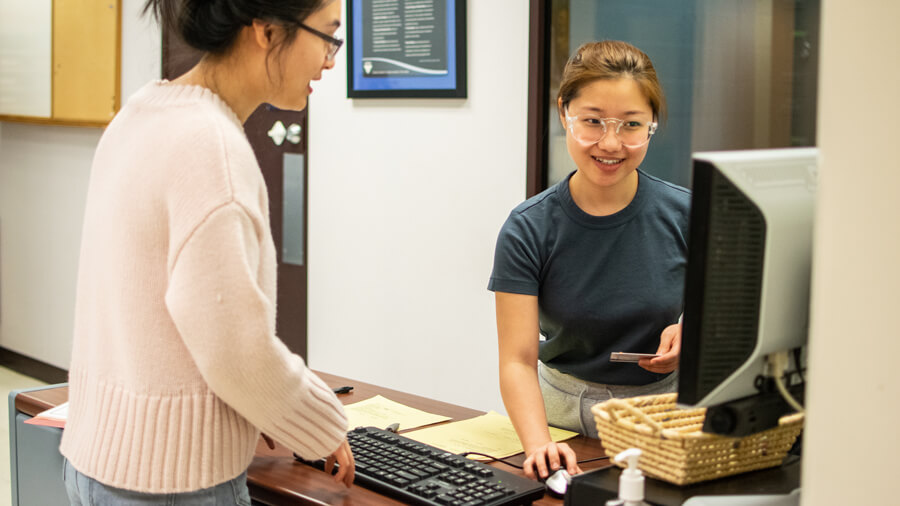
<point x="406" y="49"/>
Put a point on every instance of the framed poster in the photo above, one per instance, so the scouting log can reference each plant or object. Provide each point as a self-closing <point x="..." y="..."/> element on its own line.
<point x="406" y="48"/>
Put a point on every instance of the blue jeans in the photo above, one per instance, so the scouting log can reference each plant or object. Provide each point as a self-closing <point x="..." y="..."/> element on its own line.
<point x="85" y="491"/>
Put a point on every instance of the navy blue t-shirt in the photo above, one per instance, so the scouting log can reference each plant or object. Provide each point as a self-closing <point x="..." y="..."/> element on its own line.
<point x="604" y="283"/>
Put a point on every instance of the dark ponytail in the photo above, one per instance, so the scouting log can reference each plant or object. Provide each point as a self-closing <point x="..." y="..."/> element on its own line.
<point x="213" y="25"/>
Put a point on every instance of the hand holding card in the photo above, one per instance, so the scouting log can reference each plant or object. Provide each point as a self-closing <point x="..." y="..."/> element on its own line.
<point x="618" y="356"/>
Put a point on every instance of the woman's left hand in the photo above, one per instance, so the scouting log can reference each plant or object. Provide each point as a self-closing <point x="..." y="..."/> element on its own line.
<point x="343" y="456"/>
<point x="669" y="351"/>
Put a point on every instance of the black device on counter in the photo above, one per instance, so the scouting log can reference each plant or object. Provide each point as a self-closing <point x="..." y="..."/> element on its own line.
<point x="595" y="487"/>
<point x="416" y="473"/>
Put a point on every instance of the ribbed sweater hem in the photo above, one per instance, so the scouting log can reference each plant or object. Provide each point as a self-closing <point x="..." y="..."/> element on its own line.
<point x="154" y="442"/>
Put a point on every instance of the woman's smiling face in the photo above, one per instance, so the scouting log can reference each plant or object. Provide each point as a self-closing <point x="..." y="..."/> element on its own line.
<point x="607" y="163"/>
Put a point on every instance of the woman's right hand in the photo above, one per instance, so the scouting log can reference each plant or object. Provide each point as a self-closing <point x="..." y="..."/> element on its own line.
<point x="545" y="459"/>
<point x="517" y="332"/>
<point x="344" y="457"/>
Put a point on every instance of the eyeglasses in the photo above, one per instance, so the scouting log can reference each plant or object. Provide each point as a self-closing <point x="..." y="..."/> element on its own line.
<point x="590" y="130"/>
<point x="335" y="44"/>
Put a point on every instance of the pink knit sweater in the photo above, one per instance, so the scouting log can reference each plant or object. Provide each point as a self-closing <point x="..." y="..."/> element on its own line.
<point x="175" y="363"/>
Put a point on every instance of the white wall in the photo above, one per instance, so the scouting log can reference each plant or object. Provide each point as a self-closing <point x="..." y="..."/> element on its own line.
<point x="851" y="443"/>
<point x="141" y="48"/>
<point x="406" y="199"/>
<point x="43" y="181"/>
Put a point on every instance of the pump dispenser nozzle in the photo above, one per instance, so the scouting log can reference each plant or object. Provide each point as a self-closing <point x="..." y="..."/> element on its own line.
<point x="631" y="481"/>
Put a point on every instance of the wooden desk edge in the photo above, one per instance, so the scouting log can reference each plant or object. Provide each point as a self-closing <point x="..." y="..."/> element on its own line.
<point x="34" y="402"/>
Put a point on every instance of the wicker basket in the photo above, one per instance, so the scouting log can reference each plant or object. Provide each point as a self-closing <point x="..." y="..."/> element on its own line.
<point x="674" y="449"/>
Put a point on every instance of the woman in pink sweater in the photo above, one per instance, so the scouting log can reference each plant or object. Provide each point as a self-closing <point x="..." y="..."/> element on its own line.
<point x="176" y="367"/>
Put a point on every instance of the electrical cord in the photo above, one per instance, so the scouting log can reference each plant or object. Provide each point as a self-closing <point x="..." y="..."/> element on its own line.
<point x="493" y="458"/>
<point x="797" y="356"/>
<point x="395" y="426"/>
<point x="779" y="362"/>
<point x="592" y="460"/>
<point x="517" y="466"/>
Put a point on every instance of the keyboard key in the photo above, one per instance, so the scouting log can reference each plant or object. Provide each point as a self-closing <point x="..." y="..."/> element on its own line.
<point x="421" y="473"/>
<point x="407" y="476"/>
<point x="445" y="499"/>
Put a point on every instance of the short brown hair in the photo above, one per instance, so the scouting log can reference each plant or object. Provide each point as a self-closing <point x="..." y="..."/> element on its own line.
<point x="611" y="59"/>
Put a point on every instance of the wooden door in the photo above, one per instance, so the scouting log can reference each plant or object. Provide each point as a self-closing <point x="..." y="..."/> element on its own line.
<point x="279" y="140"/>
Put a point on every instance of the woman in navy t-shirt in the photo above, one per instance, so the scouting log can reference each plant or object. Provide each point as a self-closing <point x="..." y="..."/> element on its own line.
<point x="595" y="263"/>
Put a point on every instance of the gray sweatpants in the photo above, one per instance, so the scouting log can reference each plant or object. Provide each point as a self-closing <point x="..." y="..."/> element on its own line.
<point x="568" y="400"/>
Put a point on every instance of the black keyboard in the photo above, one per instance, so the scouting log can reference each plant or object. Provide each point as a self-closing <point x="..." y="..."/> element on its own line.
<point x="416" y="473"/>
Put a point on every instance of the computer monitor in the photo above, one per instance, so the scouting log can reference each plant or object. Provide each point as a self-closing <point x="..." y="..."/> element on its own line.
<point x="748" y="278"/>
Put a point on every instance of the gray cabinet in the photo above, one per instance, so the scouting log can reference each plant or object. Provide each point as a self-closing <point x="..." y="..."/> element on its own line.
<point x="35" y="464"/>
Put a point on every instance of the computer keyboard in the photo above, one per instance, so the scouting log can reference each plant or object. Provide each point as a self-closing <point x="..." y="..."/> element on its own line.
<point x="417" y="473"/>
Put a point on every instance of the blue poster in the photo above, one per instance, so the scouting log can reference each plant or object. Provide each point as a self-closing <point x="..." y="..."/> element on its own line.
<point x="406" y="48"/>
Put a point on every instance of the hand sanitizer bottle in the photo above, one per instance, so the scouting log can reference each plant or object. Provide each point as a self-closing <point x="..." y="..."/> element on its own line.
<point x="631" y="481"/>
